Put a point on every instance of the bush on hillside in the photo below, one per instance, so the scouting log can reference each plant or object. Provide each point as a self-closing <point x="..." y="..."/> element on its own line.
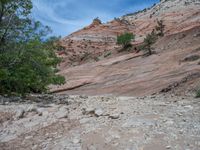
<point x="160" y="28"/>
<point x="149" y="40"/>
<point x="125" y="39"/>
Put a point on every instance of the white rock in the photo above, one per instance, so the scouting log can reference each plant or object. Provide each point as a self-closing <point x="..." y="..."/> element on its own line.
<point x="20" y="113"/>
<point x="84" y="120"/>
<point x="114" y="116"/>
<point x="88" y="111"/>
<point x="28" y="137"/>
<point x="62" y="115"/>
<point x="99" y="112"/>
<point x="170" y="122"/>
<point x="32" y="108"/>
<point x="76" y="141"/>
<point x="168" y="147"/>
<point x="44" y="113"/>
<point x="188" y="107"/>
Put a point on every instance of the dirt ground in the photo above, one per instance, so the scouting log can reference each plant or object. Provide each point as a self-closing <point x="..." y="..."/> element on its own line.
<point x="157" y="122"/>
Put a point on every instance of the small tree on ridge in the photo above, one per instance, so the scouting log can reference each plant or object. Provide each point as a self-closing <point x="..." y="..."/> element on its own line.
<point x="149" y="40"/>
<point x="160" y="28"/>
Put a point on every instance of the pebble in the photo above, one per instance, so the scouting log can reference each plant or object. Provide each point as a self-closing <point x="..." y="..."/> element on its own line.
<point x="32" y="108"/>
<point x="188" y="107"/>
<point x="168" y="147"/>
<point x="169" y="122"/>
<point x="62" y="113"/>
<point x="98" y="112"/>
<point x="76" y="141"/>
<point x="114" y="116"/>
<point x="179" y="114"/>
<point x="87" y="111"/>
<point x="20" y="113"/>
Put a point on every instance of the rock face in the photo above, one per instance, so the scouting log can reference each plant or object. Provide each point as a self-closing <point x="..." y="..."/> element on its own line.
<point x="93" y="41"/>
<point x="101" y="69"/>
<point x="134" y="75"/>
<point x="158" y="122"/>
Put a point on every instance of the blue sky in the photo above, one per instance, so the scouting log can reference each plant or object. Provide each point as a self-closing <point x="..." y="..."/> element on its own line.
<point x="67" y="16"/>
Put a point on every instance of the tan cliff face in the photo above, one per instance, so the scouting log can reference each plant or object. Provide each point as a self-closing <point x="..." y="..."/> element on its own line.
<point x="101" y="69"/>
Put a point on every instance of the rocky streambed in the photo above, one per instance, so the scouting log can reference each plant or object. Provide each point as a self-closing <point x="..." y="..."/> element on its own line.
<point x="62" y="122"/>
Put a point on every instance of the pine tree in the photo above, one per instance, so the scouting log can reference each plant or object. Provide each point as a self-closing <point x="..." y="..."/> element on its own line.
<point x="148" y="41"/>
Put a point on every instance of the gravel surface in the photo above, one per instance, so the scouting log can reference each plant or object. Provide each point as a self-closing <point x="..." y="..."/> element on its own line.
<point x="158" y="122"/>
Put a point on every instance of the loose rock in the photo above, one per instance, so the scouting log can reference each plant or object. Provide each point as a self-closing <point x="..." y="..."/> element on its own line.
<point x="99" y="112"/>
<point x="114" y="116"/>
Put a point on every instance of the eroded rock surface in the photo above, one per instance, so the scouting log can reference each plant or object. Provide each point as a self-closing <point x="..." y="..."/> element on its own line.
<point x="93" y="65"/>
<point x="133" y="74"/>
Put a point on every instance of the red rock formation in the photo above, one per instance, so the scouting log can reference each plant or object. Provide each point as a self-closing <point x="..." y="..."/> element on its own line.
<point x="122" y="73"/>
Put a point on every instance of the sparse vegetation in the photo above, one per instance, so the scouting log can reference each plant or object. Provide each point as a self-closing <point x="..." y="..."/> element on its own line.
<point x="198" y="93"/>
<point x="160" y="28"/>
<point x="96" y="58"/>
<point x="84" y="56"/>
<point x="192" y="58"/>
<point x="107" y="54"/>
<point x="97" y="20"/>
<point x="153" y="36"/>
<point x="140" y="11"/>
<point x="125" y="40"/>
<point x="149" y="41"/>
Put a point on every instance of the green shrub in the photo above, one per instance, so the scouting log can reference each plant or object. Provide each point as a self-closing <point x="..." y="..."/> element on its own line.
<point x="149" y="40"/>
<point x="125" y="39"/>
<point x="107" y="54"/>
<point x="198" y="93"/>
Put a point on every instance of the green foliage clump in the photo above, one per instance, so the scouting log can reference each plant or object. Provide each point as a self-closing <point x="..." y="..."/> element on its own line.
<point x="149" y="40"/>
<point x="27" y="58"/>
<point x="125" y="39"/>
<point x="198" y="93"/>
<point x="97" y="20"/>
<point x="107" y="54"/>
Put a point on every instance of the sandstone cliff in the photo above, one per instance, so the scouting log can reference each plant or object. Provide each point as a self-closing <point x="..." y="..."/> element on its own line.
<point x="101" y="69"/>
